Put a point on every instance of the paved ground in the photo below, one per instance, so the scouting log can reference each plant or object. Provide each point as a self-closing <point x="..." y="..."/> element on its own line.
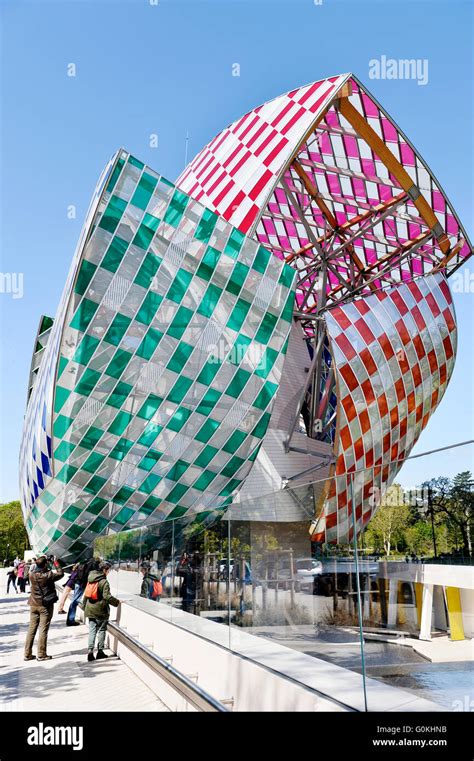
<point x="67" y="682"/>
<point x="443" y="650"/>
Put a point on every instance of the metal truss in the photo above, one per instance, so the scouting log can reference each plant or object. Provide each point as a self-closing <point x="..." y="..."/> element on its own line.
<point x="331" y="270"/>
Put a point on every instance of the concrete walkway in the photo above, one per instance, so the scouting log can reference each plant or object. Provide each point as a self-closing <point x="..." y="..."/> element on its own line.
<point x="443" y="650"/>
<point x="67" y="682"/>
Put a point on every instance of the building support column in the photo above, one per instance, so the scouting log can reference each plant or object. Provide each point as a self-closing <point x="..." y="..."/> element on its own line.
<point x="426" y="612"/>
<point x="453" y="603"/>
<point x="418" y="602"/>
<point x="392" y="603"/>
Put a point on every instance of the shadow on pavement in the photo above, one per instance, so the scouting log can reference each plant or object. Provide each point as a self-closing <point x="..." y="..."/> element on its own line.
<point x="41" y="681"/>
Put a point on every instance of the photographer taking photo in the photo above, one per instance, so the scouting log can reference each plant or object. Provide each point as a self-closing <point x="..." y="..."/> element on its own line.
<point x="41" y="601"/>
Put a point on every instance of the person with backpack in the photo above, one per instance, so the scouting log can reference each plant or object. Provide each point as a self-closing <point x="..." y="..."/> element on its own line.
<point x="152" y="587"/>
<point x="80" y="582"/>
<point x="41" y="601"/>
<point x="97" y="602"/>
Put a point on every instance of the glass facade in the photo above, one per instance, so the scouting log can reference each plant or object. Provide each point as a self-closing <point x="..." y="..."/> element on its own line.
<point x="344" y="619"/>
<point x="282" y="310"/>
<point x="166" y="361"/>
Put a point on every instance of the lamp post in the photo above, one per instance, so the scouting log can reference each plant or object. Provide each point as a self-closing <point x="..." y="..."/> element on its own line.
<point x="430" y="511"/>
<point x="426" y="506"/>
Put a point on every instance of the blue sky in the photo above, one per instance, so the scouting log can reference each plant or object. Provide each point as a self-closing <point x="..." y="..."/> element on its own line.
<point x="166" y="69"/>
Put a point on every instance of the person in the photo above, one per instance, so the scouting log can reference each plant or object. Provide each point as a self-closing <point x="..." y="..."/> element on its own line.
<point x="16" y="562"/>
<point x="152" y="587"/>
<point x="11" y="578"/>
<point x="26" y="573"/>
<point x="80" y="582"/>
<point x="68" y="587"/>
<point x="20" y="571"/>
<point x="41" y="601"/>
<point x="189" y="570"/>
<point x="184" y="571"/>
<point x="97" y="602"/>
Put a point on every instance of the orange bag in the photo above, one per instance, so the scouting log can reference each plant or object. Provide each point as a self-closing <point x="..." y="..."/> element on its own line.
<point x="156" y="589"/>
<point x="92" y="590"/>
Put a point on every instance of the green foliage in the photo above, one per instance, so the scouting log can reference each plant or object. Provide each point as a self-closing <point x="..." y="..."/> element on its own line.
<point x="452" y="502"/>
<point x="124" y="545"/>
<point x="419" y="538"/>
<point x="385" y="530"/>
<point x="13" y="536"/>
<point x="444" y="514"/>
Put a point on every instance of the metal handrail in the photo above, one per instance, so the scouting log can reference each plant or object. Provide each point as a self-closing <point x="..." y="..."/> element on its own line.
<point x="196" y="696"/>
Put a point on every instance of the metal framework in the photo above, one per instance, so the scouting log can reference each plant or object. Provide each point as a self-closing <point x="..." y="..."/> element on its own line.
<point x="330" y="268"/>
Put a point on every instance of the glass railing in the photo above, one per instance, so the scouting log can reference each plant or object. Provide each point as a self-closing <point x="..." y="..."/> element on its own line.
<point x="366" y="618"/>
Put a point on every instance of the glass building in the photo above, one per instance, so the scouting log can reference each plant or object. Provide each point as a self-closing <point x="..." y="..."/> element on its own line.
<point x="281" y="313"/>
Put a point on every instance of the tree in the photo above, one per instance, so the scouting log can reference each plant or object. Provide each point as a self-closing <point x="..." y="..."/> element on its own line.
<point x="418" y="538"/>
<point x="108" y="547"/>
<point x="125" y="545"/>
<point x="13" y="536"/>
<point x="455" y="501"/>
<point x="387" y="526"/>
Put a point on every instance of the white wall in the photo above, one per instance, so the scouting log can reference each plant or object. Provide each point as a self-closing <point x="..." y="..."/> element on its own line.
<point x="460" y="576"/>
<point x="223" y="674"/>
<point x="467" y="604"/>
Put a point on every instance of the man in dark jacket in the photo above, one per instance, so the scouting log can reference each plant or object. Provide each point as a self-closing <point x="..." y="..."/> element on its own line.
<point x="11" y="576"/>
<point x="191" y="586"/>
<point x="41" y="601"/>
<point x="83" y="572"/>
<point x="97" y="609"/>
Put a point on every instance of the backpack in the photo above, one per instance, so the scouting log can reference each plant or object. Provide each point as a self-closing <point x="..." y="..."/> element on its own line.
<point x="92" y="590"/>
<point x="156" y="589"/>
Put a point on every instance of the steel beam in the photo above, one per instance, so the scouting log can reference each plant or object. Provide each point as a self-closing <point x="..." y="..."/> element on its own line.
<point x="363" y="128"/>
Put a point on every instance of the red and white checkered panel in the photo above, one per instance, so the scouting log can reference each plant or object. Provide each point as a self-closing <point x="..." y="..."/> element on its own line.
<point x="351" y="180"/>
<point x="235" y="173"/>
<point x="394" y="354"/>
<point x="239" y="175"/>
